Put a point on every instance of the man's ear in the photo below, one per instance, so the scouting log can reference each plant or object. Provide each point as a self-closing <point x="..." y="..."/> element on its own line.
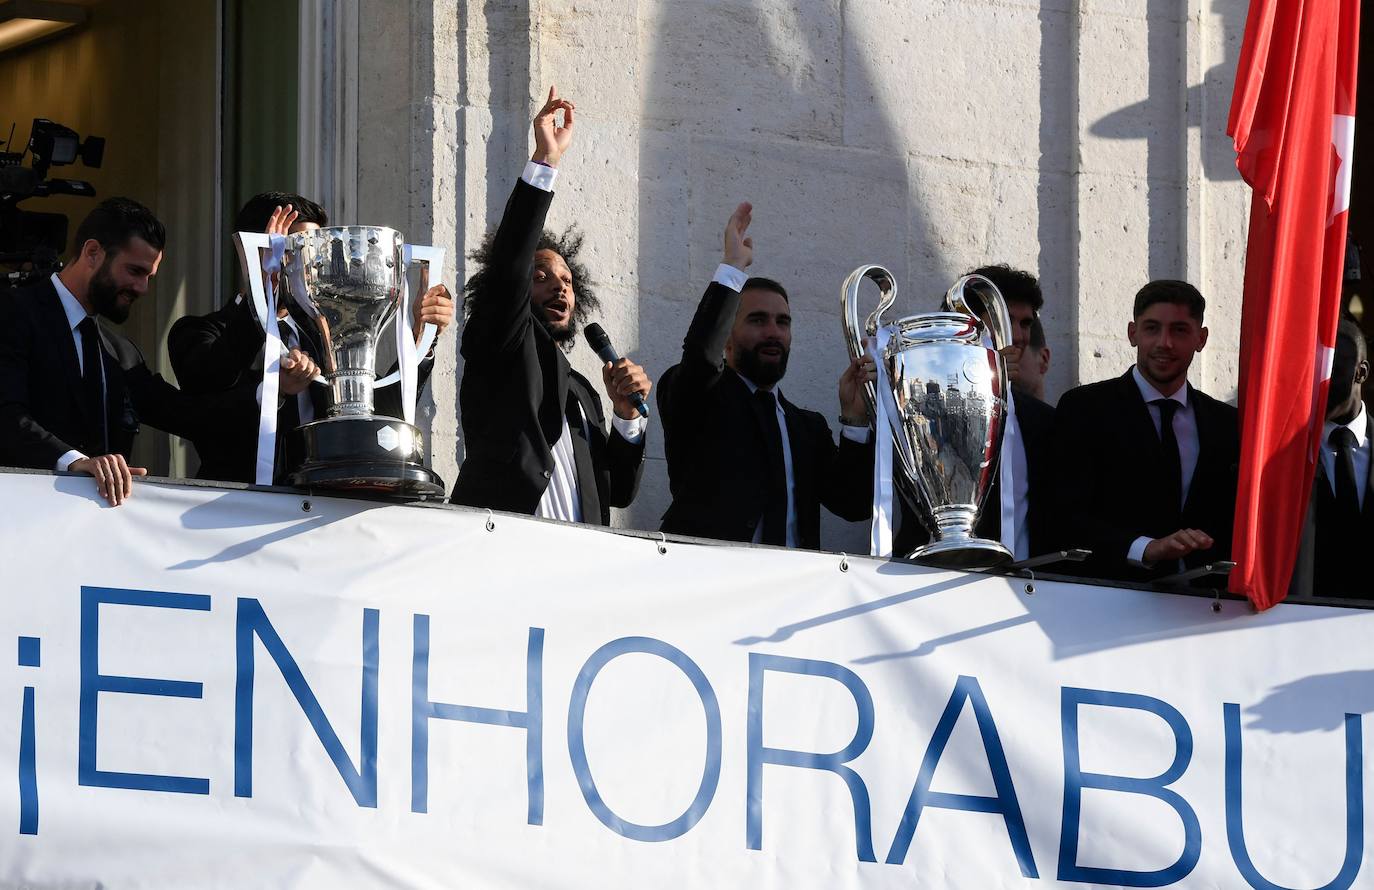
<point x="92" y="252"/>
<point x="1202" y="339"/>
<point x="1044" y="360"/>
<point x="1130" y="332"/>
<point x="1362" y="372"/>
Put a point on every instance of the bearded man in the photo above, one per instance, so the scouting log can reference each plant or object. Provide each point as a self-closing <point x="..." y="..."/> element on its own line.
<point x="534" y="429"/>
<point x="744" y="463"/>
<point x="73" y="393"/>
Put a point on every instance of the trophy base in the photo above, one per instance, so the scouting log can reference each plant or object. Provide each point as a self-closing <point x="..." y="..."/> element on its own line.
<point x="962" y="553"/>
<point x="376" y="454"/>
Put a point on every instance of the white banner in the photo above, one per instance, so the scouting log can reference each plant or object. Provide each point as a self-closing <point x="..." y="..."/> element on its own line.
<point x="220" y="688"/>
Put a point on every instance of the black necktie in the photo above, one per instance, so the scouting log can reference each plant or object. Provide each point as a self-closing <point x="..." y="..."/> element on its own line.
<point x="1168" y="446"/>
<point x="775" y="504"/>
<point x="1347" y="489"/>
<point x="584" y="469"/>
<point x="93" y="381"/>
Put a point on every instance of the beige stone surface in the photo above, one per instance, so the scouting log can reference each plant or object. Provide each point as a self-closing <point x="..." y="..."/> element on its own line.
<point x="1081" y="139"/>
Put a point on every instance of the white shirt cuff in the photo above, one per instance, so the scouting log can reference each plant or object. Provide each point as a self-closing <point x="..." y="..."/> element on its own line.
<point x="541" y="176"/>
<point x="1136" y="555"/>
<point x="731" y="277"/>
<point x="631" y="430"/>
<point x="858" y="434"/>
<point x="68" y="459"/>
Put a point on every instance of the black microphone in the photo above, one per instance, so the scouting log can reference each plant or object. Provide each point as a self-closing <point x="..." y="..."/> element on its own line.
<point x="601" y="345"/>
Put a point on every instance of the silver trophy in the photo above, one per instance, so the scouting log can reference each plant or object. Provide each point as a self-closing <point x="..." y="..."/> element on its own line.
<point x="349" y="281"/>
<point x="946" y="406"/>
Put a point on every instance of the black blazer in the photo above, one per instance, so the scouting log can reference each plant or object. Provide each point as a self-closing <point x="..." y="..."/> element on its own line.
<point x="515" y="389"/>
<point x="42" y="413"/>
<point x="1109" y="478"/>
<point x="717" y="459"/>
<point x="1333" y="560"/>
<point x="221" y="351"/>
<point x="1036" y="420"/>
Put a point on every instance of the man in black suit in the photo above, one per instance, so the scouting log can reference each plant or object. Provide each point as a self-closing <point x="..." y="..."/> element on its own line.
<point x="534" y="428"/>
<point x="744" y="463"/>
<point x="1146" y="464"/>
<point x="1017" y="510"/>
<point x="1333" y="556"/>
<point x="72" y="392"/>
<point x="222" y="351"/>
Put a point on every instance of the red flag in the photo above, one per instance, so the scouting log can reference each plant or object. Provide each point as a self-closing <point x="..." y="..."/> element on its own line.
<point x="1293" y="122"/>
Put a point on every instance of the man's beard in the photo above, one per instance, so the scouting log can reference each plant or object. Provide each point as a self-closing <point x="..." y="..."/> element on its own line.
<point x="761" y="372"/>
<point x="104" y="295"/>
<point x="564" y="336"/>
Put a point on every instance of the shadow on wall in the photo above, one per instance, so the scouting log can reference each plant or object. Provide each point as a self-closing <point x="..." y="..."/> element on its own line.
<point x="1207" y="105"/>
<point x="775" y="102"/>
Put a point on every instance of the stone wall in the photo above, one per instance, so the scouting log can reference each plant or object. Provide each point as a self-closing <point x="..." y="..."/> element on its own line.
<point x="1080" y="139"/>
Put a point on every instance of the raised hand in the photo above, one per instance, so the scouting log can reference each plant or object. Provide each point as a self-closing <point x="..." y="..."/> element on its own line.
<point x="623" y="379"/>
<point x="281" y="220"/>
<point x="739" y="249"/>
<point x="551" y="139"/>
<point x="114" y="479"/>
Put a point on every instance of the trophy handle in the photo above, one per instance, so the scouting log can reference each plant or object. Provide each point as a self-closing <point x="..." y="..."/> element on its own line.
<point x="849" y="316"/>
<point x="432" y="271"/>
<point x="994" y="304"/>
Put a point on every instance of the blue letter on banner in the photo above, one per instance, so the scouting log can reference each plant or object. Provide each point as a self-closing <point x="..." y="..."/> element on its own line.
<point x="759" y="755"/>
<point x="1354" y="804"/>
<point x="577" y="743"/>
<point x="422" y="710"/>
<point x="252" y="622"/>
<point x="1075" y="780"/>
<point x="93" y="683"/>
<point x="1004" y="804"/>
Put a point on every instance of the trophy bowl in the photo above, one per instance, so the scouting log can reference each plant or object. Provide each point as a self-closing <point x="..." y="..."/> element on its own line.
<point x="348" y="281"/>
<point x="945" y="402"/>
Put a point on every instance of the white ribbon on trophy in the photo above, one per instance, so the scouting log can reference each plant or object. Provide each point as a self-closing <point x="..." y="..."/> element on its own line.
<point x="266" y="252"/>
<point x="407" y="353"/>
<point x="884" y="408"/>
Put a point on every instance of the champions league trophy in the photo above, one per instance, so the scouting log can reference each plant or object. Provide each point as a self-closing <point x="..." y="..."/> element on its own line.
<point x="943" y="393"/>
<point x="349" y="282"/>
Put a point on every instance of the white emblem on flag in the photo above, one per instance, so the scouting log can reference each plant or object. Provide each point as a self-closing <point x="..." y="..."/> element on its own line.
<point x="1343" y="138"/>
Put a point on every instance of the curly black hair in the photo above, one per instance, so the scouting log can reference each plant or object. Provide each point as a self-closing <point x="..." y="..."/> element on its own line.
<point x="567" y="245"/>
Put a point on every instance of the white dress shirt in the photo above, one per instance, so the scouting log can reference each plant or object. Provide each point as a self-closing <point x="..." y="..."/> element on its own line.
<point x="76" y="313"/>
<point x="734" y="279"/>
<point x="1015" y="534"/>
<point x="1361" y="455"/>
<point x="561" y="499"/>
<point x="1185" y="431"/>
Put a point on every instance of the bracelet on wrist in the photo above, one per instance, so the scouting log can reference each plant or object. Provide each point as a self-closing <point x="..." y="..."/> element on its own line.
<point x="853" y="421"/>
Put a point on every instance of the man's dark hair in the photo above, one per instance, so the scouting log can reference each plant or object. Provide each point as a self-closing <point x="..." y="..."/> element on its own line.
<point x="1349" y="329"/>
<point x="568" y="246"/>
<point x="116" y="220"/>
<point x="767" y="284"/>
<point x="255" y="214"/>
<point x="1016" y="285"/>
<point x="1168" y="290"/>
<point x="1037" y="334"/>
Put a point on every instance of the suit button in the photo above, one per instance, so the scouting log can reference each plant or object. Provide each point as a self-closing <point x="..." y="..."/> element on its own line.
<point x="548" y="474"/>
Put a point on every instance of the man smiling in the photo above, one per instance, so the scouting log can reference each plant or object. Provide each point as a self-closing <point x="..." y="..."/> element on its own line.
<point x="1146" y="463"/>
<point x="72" y="392"/>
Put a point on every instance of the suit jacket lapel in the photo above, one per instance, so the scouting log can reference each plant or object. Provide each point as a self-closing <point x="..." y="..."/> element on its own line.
<point x="587" y="493"/>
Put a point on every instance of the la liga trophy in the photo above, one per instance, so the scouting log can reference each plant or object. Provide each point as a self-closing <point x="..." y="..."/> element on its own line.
<point x="348" y="283"/>
<point x="944" y="392"/>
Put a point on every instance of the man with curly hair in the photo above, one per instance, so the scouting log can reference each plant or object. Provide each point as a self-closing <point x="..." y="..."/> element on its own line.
<point x="534" y="428"/>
